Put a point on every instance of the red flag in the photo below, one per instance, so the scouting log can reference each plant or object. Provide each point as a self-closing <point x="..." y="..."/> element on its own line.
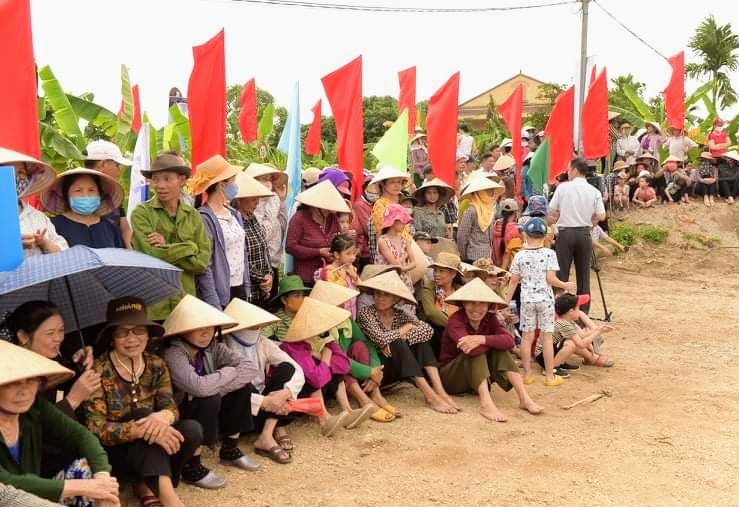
<point x="594" y="120"/>
<point x="19" y="128"/>
<point x="206" y="100"/>
<point x="511" y="111"/>
<point x="675" y="93"/>
<point x="344" y="92"/>
<point x="313" y="137"/>
<point x="248" y="113"/>
<point x="441" y="129"/>
<point x="559" y="130"/>
<point x="136" y="122"/>
<point x="592" y="76"/>
<point x="407" y="97"/>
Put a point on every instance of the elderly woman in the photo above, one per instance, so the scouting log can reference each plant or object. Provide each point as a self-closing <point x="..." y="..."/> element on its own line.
<point x="474" y="352"/>
<point x="227" y="274"/>
<point x="403" y="340"/>
<point x="475" y="231"/>
<point x="32" y="176"/>
<point x="627" y="145"/>
<point x="247" y="200"/>
<point x="312" y="228"/>
<point x="82" y="200"/>
<point x="432" y="294"/>
<point x="428" y="215"/>
<point x="389" y="183"/>
<point x="275" y="379"/>
<point x="271" y="213"/>
<point x="134" y="413"/>
<point x="28" y="423"/>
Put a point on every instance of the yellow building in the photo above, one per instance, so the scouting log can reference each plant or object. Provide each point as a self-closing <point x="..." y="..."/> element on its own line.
<point x="474" y="111"/>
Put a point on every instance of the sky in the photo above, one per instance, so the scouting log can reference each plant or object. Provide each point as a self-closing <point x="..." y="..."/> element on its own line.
<point x="86" y="41"/>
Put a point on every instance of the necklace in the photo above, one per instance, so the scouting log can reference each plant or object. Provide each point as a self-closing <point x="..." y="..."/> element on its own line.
<point x="134" y="372"/>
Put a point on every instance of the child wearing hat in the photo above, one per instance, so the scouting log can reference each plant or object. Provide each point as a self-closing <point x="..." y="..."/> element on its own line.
<point x="393" y="247"/>
<point x="505" y="231"/>
<point x="275" y="379"/>
<point x="428" y="215"/>
<point x="211" y="385"/>
<point x="474" y="351"/>
<point x="290" y="294"/>
<point x="536" y="267"/>
<point x="324" y="363"/>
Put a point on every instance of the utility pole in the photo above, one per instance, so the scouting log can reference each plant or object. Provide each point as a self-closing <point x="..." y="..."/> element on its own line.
<point x="583" y="69"/>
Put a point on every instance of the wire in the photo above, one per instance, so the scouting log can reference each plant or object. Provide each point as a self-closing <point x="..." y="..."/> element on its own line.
<point x="614" y="18"/>
<point x="381" y="8"/>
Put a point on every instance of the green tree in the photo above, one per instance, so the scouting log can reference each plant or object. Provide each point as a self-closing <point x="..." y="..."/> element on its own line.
<point x="548" y="94"/>
<point x="716" y="46"/>
<point x="377" y="111"/>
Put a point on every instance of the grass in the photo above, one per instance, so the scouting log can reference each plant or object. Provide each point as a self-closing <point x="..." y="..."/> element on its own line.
<point x="700" y="239"/>
<point x="629" y="234"/>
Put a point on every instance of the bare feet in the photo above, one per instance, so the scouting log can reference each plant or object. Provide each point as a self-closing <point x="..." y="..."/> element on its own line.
<point x="531" y="407"/>
<point x="493" y="414"/>
<point x="439" y="405"/>
<point x="450" y="401"/>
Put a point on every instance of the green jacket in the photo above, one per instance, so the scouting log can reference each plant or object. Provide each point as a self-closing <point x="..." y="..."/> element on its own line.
<point x="427" y="311"/>
<point x="45" y="423"/>
<point x="358" y="370"/>
<point x="188" y="246"/>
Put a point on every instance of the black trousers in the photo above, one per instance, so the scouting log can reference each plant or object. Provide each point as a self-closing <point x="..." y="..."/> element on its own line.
<point x="230" y="413"/>
<point x="278" y="376"/>
<point x="574" y="245"/>
<point x="148" y="462"/>
<point x="406" y="362"/>
<point x="728" y="188"/>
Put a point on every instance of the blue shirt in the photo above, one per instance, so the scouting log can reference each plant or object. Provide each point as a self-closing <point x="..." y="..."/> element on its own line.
<point x="15" y="451"/>
<point x="104" y="234"/>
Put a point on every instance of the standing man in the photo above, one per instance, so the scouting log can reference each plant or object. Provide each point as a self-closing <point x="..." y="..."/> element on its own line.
<point x="166" y="228"/>
<point x="575" y="207"/>
<point x="107" y="158"/>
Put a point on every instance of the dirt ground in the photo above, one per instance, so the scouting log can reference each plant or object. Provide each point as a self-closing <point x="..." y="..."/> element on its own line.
<point x="665" y="437"/>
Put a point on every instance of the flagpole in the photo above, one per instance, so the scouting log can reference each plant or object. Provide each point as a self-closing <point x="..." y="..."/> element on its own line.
<point x="583" y="70"/>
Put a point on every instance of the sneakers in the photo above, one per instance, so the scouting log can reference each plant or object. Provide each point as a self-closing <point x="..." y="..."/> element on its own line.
<point x="568" y="366"/>
<point x="559" y="371"/>
<point x="202" y="477"/>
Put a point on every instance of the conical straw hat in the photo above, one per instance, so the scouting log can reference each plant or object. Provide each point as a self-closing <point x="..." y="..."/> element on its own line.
<point x="387" y="172"/>
<point x="250" y="187"/>
<point x="733" y="155"/>
<point x="313" y="319"/>
<point x="43" y="174"/>
<point x="478" y="183"/>
<point x="325" y="196"/>
<point x="503" y="163"/>
<point x="192" y="313"/>
<point x="248" y="315"/>
<point x="18" y="363"/>
<point x="332" y="293"/>
<point x="447" y="260"/>
<point x="390" y="283"/>
<point x="210" y="172"/>
<point x="646" y="155"/>
<point x="112" y="193"/>
<point x="445" y="191"/>
<point x="475" y="290"/>
<point x="372" y="270"/>
<point x="254" y="170"/>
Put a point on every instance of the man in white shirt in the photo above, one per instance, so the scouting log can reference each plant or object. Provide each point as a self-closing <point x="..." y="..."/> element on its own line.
<point x="575" y="207"/>
<point x="627" y="145"/>
<point x="465" y="142"/>
<point x="679" y="144"/>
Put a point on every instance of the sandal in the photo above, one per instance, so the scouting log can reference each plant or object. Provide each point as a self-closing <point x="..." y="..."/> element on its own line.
<point x="392" y="410"/>
<point x="150" y="501"/>
<point x="382" y="415"/>
<point x="556" y="381"/>
<point x="601" y="361"/>
<point x="276" y="454"/>
<point x="529" y="380"/>
<point x="285" y="442"/>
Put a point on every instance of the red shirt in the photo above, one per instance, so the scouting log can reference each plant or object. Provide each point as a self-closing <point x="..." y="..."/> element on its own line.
<point x="361" y="213"/>
<point x="305" y="238"/>
<point x="718" y="138"/>
<point x="496" y="337"/>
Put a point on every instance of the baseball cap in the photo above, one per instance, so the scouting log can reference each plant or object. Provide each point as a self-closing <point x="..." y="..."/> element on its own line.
<point x="508" y="205"/>
<point x="535" y="227"/>
<point x="425" y="236"/>
<point x="105" y="150"/>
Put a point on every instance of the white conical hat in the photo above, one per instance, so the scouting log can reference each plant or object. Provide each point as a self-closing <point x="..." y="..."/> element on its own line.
<point x="504" y="162"/>
<point x="192" y="313"/>
<point x="390" y="283"/>
<point x="732" y="154"/>
<point x="313" y="319"/>
<point x="255" y="170"/>
<point x="332" y="293"/>
<point x="18" y="363"/>
<point x="250" y="187"/>
<point x="479" y="183"/>
<point x="248" y="315"/>
<point x="325" y="196"/>
<point x="42" y="173"/>
<point x="445" y="191"/>
<point x="477" y="291"/>
<point x="387" y="172"/>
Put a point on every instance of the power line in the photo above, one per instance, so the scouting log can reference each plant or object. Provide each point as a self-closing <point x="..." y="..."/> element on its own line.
<point x="382" y="8"/>
<point x="614" y="18"/>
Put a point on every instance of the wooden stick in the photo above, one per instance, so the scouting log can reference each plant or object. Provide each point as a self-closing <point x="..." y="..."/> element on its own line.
<point x="589" y="399"/>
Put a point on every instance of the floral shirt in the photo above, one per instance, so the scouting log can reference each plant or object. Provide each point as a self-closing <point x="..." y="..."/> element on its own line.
<point x="112" y="409"/>
<point x="372" y="326"/>
<point x="532" y="265"/>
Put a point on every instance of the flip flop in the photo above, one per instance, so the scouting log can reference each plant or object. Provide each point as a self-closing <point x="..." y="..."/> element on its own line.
<point x="392" y="410"/>
<point x="556" y="381"/>
<point x="358" y="416"/>
<point x="333" y="424"/>
<point x="529" y="380"/>
<point x="150" y="501"/>
<point x="285" y="442"/>
<point x="382" y="415"/>
<point x="276" y="454"/>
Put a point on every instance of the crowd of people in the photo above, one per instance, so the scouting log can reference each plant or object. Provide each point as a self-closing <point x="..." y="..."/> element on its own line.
<point x="453" y="289"/>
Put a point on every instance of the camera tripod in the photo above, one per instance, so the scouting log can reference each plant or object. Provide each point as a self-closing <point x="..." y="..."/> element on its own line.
<point x="596" y="267"/>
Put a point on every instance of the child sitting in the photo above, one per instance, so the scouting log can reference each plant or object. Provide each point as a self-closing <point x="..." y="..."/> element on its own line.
<point x="597" y="234"/>
<point x="644" y="196"/>
<point x="568" y="338"/>
<point x="621" y="192"/>
<point x="536" y="268"/>
<point x="342" y="271"/>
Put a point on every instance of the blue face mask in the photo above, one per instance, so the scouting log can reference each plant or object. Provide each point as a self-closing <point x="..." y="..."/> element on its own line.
<point x="230" y="191"/>
<point x="84" y="205"/>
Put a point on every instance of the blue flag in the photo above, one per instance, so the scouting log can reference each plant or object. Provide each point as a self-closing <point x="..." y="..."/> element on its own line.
<point x="290" y="144"/>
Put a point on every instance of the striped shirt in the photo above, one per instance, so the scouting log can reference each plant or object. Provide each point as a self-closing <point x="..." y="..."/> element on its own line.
<point x="473" y="242"/>
<point x="278" y="330"/>
<point x="11" y="497"/>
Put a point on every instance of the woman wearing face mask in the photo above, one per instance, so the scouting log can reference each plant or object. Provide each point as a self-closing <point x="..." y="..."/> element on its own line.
<point x="361" y="211"/>
<point x="227" y="275"/>
<point x="82" y="200"/>
<point x="32" y="176"/>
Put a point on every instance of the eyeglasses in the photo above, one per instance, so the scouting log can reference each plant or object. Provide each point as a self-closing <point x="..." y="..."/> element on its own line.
<point x="123" y="332"/>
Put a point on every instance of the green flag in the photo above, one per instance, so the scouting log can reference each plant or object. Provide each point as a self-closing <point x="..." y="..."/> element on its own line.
<point x="539" y="168"/>
<point x="392" y="148"/>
